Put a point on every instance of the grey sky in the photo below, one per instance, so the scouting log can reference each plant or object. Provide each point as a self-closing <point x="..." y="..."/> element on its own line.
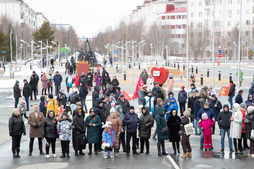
<point x="87" y="16"/>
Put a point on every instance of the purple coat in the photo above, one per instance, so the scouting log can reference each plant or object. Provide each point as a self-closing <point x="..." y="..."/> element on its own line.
<point x="98" y="81"/>
<point x="44" y="82"/>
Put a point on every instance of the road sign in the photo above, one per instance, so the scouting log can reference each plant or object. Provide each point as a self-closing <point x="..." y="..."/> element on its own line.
<point x="219" y="47"/>
<point x="116" y="52"/>
<point x="220" y="51"/>
<point x="220" y="55"/>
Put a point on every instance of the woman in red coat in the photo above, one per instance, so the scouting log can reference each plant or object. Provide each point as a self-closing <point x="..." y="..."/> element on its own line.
<point x="243" y="139"/>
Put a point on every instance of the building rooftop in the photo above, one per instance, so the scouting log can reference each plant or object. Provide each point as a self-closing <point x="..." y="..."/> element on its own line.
<point x="176" y="10"/>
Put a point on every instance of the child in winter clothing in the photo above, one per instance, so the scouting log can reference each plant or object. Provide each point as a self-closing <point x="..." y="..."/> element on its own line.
<point x="23" y="108"/>
<point x="108" y="137"/>
<point x="206" y="125"/>
<point x="64" y="127"/>
<point x="101" y="94"/>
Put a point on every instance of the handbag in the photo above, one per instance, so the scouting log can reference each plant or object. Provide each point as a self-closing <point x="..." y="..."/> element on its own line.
<point x="188" y="128"/>
<point x="163" y="130"/>
<point x="83" y="141"/>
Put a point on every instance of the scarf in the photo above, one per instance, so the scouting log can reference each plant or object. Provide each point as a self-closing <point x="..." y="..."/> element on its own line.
<point x="110" y="133"/>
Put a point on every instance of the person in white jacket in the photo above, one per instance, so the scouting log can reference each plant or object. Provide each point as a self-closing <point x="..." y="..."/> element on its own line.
<point x="236" y="128"/>
<point x="150" y="82"/>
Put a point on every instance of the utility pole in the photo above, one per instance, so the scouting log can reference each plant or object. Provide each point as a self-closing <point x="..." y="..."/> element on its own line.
<point x="239" y="46"/>
<point x="11" y="44"/>
<point x="32" y="53"/>
<point x="213" y="44"/>
<point x="187" y="44"/>
<point x="121" y="56"/>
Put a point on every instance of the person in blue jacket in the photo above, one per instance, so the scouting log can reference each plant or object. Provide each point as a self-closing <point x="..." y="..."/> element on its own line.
<point x="210" y="113"/>
<point x="57" y="81"/>
<point x="108" y="137"/>
<point x="131" y="120"/>
<point x="170" y="106"/>
<point x="197" y="107"/>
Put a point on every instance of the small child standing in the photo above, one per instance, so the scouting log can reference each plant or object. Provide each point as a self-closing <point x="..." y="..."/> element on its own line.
<point x="22" y="109"/>
<point x="108" y="137"/>
<point x="64" y="127"/>
<point x="206" y="125"/>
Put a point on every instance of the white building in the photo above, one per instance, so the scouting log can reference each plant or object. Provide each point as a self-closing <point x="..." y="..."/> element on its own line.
<point x="19" y="12"/>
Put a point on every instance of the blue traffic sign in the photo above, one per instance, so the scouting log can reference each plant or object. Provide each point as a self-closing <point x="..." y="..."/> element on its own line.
<point x="116" y="52"/>
<point x="220" y="51"/>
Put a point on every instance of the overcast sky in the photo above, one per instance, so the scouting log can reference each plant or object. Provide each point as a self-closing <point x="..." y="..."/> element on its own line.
<point x="88" y="17"/>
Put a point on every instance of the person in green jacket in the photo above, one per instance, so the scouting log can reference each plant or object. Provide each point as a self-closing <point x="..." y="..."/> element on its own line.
<point x="241" y="77"/>
<point x="93" y="123"/>
<point x="161" y="130"/>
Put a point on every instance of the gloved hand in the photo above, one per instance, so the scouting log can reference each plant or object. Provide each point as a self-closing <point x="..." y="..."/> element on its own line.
<point x="36" y="126"/>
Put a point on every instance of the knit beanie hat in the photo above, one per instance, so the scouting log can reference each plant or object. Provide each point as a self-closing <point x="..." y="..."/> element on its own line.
<point x="112" y="110"/>
<point x="51" y="96"/>
<point x="250" y="109"/>
<point x="243" y="105"/>
<point x="204" y="116"/>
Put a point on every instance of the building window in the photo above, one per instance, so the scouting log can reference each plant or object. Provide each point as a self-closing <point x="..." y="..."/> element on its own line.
<point x="247" y="22"/>
<point x="229" y="13"/>
<point x="163" y="27"/>
<point x="238" y="1"/>
<point x="183" y="45"/>
<point x="229" y="23"/>
<point x="229" y="2"/>
<point x="173" y="35"/>
<point x="247" y="33"/>
<point x="168" y="17"/>
<point x="183" y="26"/>
<point x="178" y="16"/>
<point x="200" y="3"/>
<point x="217" y="23"/>
<point x="248" y="1"/>
<point x="172" y="27"/>
<point x="207" y="2"/>
<point x="217" y="2"/>
<point x="192" y="14"/>
<point x="173" y="17"/>
<point x="217" y="34"/>
<point x="163" y="17"/>
<point x="192" y="4"/>
<point x="238" y="12"/>
<point x="183" y="16"/>
<point x="200" y="14"/>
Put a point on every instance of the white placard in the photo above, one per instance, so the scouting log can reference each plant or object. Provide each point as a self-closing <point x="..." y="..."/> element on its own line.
<point x="156" y="73"/>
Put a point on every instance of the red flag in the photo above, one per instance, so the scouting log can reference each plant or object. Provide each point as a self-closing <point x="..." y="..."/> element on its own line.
<point x="99" y="67"/>
<point x="139" y="84"/>
<point x="224" y="91"/>
<point x="126" y="96"/>
<point x="60" y="113"/>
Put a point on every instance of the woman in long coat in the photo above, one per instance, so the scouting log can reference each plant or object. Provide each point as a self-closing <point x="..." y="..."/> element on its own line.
<point x="44" y="82"/>
<point x="248" y="127"/>
<point x="79" y="124"/>
<point x="173" y="124"/>
<point x="116" y="127"/>
<point x="236" y="127"/>
<point x="171" y="83"/>
<point x="93" y="123"/>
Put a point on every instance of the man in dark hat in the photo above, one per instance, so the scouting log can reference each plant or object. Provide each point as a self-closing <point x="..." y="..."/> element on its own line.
<point x="26" y="93"/>
<point x="124" y="103"/>
<point x="34" y="79"/>
<point x="16" y="93"/>
<point x="131" y="120"/>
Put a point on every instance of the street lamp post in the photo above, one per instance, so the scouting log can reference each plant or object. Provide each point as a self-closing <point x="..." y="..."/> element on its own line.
<point x="122" y="55"/>
<point x="41" y="54"/>
<point x="133" y="42"/>
<point x="213" y="44"/>
<point x="11" y="44"/>
<point x="32" y="53"/>
<point x="47" y="47"/>
<point x="239" y="46"/>
<point x="187" y="45"/>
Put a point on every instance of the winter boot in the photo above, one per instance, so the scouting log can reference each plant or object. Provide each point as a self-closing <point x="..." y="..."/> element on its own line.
<point x="90" y="152"/>
<point x="163" y="148"/>
<point x="18" y="156"/>
<point x="76" y="153"/>
<point x="81" y="153"/>
<point x="110" y="154"/>
<point x="14" y="154"/>
<point x="68" y="156"/>
<point x="147" y="151"/>
<point x="159" y="148"/>
<point x="105" y="154"/>
<point x="185" y="155"/>
<point x="174" y="148"/>
<point x="62" y="156"/>
<point x="189" y="154"/>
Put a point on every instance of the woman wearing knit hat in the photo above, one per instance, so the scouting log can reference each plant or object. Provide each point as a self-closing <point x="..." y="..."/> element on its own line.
<point x="116" y="127"/>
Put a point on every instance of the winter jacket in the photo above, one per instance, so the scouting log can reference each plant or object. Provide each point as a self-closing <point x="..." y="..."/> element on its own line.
<point x="182" y="96"/>
<point x="251" y="90"/>
<point x="238" y="99"/>
<point x="144" y="77"/>
<point x="249" y="102"/>
<point x="69" y="81"/>
<point x="42" y="107"/>
<point x="67" y="65"/>
<point x="236" y="125"/>
<point x="244" y="116"/>
<point x="108" y="139"/>
<point x="217" y="108"/>
<point x="174" y="124"/>
<point x="206" y="126"/>
<point x="224" y="119"/>
<point x="16" y="91"/>
<point x="82" y="78"/>
<point x="210" y="113"/>
<point x="131" y="120"/>
<point x="53" y="105"/>
<point x="79" y="125"/>
<point x="62" y="99"/>
<point x="93" y="132"/>
<point x="197" y="107"/>
<point x="191" y="101"/>
<point x="83" y="91"/>
<point x="35" y="124"/>
<point x="76" y="80"/>
<point x="49" y="127"/>
<point x="74" y="98"/>
<point x="95" y="95"/>
<point x="121" y="115"/>
<point x="184" y="121"/>
<point x="160" y="124"/>
<point x="150" y="102"/>
<point x="150" y="83"/>
<point x="27" y="90"/>
<point x="125" y="105"/>
<point x="34" y="79"/>
<point x="231" y="92"/>
<point x="158" y="93"/>
<point x="116" y="127"/>
<point x="64" y="127"/>
<point x="115" y="82"/>
<point x="146" y="123"/>
<point x="98" y="80"/>
<point x="141" y="97"/>
<point x="164" y="93"/>
<point x="170" y="107"/>
<point x="58" y="80"/>
<point x="16" y="125"/>
<point x="75" y="112"/>
<point x="89" y="77"/>
<point x="106" y="80"/>
<point x="249" y="124"/>
<point x="44" y="82"/>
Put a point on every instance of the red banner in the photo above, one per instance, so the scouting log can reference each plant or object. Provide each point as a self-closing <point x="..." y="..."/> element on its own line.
<point x="224" y="91"/>
<point x="139" y="84"/>
<point x="60" y="112"/>
<point x="126" y="96"/>
<point x="99" y="67"/>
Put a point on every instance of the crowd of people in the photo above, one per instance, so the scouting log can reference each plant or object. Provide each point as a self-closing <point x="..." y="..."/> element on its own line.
<point x="113" y="122"/>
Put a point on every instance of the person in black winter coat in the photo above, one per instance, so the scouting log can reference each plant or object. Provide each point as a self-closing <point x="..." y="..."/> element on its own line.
<point x="115" y="82"/>
<point x="251" y="90"/>
<point x="173" y="124"/>
<point x="131" y="120"/>
<point x="231" y="93"/>
<point x="57" y="81"/>
<point x="197" y="107"/>
<point x="182" y="97"/>
<point x="249" y="120"/>
<point x="89" y="79"/>
<point x="106" y="80"/>
<point x="98" y="110"/>
<point x="34" y="79"/>
<point x="27" y="92"/>
<point x="239" y="97"/>
<point x="16" y="93"/>
<point x="157" y="92"/>
<point x="83" y="93"/>
<point x="49" y="132"/>
<point x="78" y="131"/>
<point x="249" y="101"/>
<point x="42" y="107"/>
<point x="191" y="101"/>
<point x="16" y="130"/>
<point x="124" y="103"/>
<point x="78" y="109"/>
<point x="95" y="95"/>
<point x="224" y="123"/>
<point x="216" y="106"/>
<point x="61" y="98"/>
